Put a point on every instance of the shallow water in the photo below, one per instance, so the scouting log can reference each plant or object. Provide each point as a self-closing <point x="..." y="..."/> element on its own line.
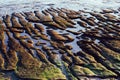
<point x="10" y="6"/>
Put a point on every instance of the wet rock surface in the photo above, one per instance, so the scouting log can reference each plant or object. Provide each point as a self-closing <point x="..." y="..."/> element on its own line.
<point x="60" y="44"/>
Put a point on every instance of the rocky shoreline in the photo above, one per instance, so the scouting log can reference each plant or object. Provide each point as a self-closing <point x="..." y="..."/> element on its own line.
<point x="61" y="44"/>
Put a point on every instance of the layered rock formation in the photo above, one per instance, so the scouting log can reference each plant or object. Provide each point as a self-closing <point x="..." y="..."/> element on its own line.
<point x="61" y="44"/>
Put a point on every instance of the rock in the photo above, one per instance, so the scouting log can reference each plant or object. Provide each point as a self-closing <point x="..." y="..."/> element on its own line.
<point x="73" y="16"/>
<point x="58" y="45"/>
<point x="2" y="62"/>
<point x="69" y="38"/>
<point x="61" y="21"/>
<point x="61" y="14"/>
<point x="82" y="23"/>
<point x="16" y="30"/>
<point x="27" y="26"/>
<point x="91" y="22"/>
<point x="74" y="32"/>
<point x="26" y="44"/>
<point x="39" y="27"/>
<point x="99" y="16"/>
<point x="30" y="41"/>
<point x="45" y="48"/>
<point x="66" y="59"/>
<point x="17" y="15"/>
<point x="2" y="77"/>
<point x="3" y="47"/>
<point x="32" y="18"/>
<point x="81" y="71"/>
<point x="56" y="36"/>
<point x="77" y="60"/>
<point x="112" y="44"/>
<point x="43" y="18"/>
<point x="37" y="59"/>
<point x="15" y="23"/>
<point x="42" y="56"/>
<point x="12" y="60"/>
<point x="110" y="16"/>
<point x="69" y="47"/>
<point x="62" y="51"/>
<point x="39" y="43"/>
<point x="108" y="11"/>
<point x="24" y="37"/>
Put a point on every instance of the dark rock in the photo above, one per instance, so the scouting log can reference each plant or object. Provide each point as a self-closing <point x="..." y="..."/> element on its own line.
<point x="74" y="32"/>
<point x="82" y="23"/>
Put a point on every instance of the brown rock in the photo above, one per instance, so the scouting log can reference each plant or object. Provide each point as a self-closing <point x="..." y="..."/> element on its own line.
<point x="110" y="16"/>
<point x="108" y="11"/>
<point x="82" y="23"/>
<point x="42" y="56"/>
<point x="32" y="18"/>
<point x="56" y="36"/>
<point x="43" y="18"/>
<point x="53" y="25"/>
<point x="39" y="27"/>
<point x="69" y="38"/>
<point x="17" y="15"/>
<point x="74" y="32"/>
<point x="30" y="41"/>
<point x="24" y="37"/>
<point x="67" y="59"/>
<point x="1" y="62"/>
<point x="61" y="21"/>
<point x="63" y="15"/>
<point x="69" y="47"/>
<point x="27" y="45"/>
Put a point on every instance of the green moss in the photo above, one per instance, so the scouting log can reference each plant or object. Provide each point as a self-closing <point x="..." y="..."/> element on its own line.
<point x="100" y="70"/>
<point x="69" y="73"/>
<point x="88" y="71"/>
<point x="45" y="72"/>
<point x="79" y="70"/>
<point x="51" y="72"/>
<point x="3" y="78"/>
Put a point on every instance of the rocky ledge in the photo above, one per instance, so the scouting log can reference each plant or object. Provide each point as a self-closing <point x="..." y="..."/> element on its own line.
<point x="60" y="44"/>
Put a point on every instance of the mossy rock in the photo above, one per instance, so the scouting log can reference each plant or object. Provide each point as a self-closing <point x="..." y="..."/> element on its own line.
<point x="79" y="70"/>
<point x="3" y="78"/>
<point x="100" y="70"/>
<point x="69" y="74"/>
<point x="45" y="72"/>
